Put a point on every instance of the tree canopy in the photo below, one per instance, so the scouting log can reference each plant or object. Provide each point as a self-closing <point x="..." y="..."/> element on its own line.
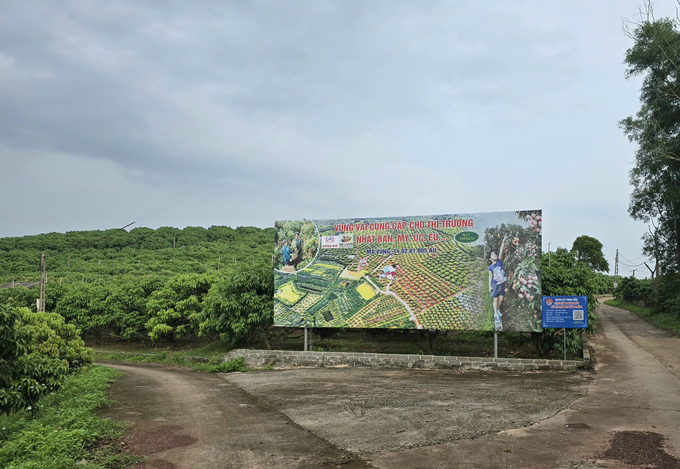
<point x="588" y="250"/>
<point x="655" y="177"/>
<point x="159" y="284"/>
<point x="38" y="351"/>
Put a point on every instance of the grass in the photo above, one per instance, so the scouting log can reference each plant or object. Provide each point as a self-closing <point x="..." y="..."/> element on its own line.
<point x="214" y="365"/>
<point x="66" y="433"/>
<point x="668" y="321"/>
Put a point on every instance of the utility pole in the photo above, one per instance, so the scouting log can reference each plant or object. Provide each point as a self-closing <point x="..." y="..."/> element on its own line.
<point x="634" y="272"/>
<point x="43" y="280"/>
<point x="548" y="254"/>
<point x="616" y="269"/>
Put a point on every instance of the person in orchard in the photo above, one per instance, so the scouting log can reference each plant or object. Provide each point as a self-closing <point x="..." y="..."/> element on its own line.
<point x="298" y="246"/>
<point x="497" y="279"/>
<point x="286" y="253"/>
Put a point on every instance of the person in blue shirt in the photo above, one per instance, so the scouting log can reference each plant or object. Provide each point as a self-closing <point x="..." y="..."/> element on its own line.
<point x="497" y="279"/>
<point x="286" y="253"/>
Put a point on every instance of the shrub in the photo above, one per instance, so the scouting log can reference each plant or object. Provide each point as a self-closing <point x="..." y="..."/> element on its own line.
<point x="632" y="289"/>
<point x="38" y="351"/>
<point x="239" y="304"/>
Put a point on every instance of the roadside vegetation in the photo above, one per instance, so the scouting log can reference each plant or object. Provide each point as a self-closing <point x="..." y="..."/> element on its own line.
<point x="49" y="393"/>
<point x="638" y="296"/>
<point x="668" y="321"/>
<point x="39" y="351"/>
<point x="66" y="433"/>
<point x="655" y="198"/>
<point x="212" y="365"/>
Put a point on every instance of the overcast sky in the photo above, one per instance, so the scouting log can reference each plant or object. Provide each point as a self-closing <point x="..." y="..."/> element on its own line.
<point x="175" y="113"/>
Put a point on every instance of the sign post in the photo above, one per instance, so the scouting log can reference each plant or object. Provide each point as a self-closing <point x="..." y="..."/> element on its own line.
<point x="566" y="312"/>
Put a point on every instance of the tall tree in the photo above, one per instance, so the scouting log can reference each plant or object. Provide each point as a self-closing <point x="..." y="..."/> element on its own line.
<point x="655" y="177"/>
<point x="588" y="250"/>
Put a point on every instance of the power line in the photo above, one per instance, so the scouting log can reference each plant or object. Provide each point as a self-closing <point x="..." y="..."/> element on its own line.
<point x="637" y="258"/>
<point x="633" y="263"/>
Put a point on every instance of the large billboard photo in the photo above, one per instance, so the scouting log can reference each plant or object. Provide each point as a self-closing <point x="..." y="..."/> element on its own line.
<point x="442" y="272"/>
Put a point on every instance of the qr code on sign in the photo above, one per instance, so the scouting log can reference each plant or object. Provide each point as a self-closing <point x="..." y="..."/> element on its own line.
<point x="578" y="315"/>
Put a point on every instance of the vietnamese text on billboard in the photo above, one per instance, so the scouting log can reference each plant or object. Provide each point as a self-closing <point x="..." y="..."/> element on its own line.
<point x="443" y="272"/>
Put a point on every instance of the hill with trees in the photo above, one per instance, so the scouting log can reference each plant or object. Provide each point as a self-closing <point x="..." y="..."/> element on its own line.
<point x="141" y="252"/>
<point x="147" y="283"/>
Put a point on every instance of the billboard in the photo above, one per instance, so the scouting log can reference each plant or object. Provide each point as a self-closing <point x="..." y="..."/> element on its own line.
<point x="478" y="271"/>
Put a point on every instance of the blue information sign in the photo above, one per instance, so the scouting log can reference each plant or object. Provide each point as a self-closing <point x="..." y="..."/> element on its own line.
<point x="570" y="312"/>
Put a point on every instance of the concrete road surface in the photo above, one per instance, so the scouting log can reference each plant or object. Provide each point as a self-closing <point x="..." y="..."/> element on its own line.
<point x="627" y="414"/>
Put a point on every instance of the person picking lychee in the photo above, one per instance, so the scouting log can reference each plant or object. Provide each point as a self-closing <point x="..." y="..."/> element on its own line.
<point x="497" y="279"/>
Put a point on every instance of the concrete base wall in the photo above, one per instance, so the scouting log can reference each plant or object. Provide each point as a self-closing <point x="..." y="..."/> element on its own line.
<point x="286" y="359"/>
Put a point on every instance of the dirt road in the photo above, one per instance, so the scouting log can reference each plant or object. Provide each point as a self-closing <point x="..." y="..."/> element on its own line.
<point x="626" y="415"/>
<point x="183" y="419"/>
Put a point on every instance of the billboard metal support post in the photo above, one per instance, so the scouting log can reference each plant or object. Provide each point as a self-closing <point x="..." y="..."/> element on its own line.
<point x="495" y="344"/>
<point x="565" y="343"/>
<point x="305" y="349"/>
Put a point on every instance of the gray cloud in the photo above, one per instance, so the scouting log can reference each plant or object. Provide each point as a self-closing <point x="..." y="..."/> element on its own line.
<point x="311" y="109"/>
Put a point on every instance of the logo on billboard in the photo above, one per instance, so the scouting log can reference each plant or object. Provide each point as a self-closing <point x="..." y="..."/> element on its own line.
<point x="466" y="237"/>
<point x="549" y="301"/>
<point x="346" y="240"/>
<point x="330" y="242"/>
<point x="336" y="242"/>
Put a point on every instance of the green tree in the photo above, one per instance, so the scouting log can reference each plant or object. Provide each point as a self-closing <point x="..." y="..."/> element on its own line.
<point x="589" y="251"/>
<point x="83" y="306"/>
<point x="239" y="304"/>
<point x="125" y="307"/>
<point x="564" y="275"/>
<point x="175" y="310"/>
<point x="38" y="351"/>
<point x="655" y="177"/>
